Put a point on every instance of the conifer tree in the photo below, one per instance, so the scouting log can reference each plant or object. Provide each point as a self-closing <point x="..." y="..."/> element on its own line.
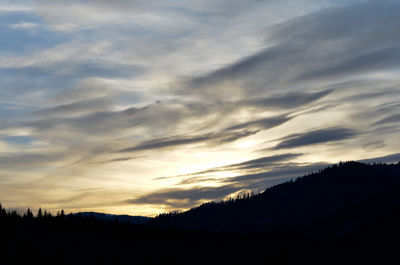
<point x="28" y="214"/>
<point x="40" y="214"/>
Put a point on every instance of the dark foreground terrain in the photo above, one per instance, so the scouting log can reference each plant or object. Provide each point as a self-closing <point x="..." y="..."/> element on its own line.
<point x="346" y="213"/>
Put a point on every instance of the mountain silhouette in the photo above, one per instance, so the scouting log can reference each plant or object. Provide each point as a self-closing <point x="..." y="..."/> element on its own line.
<point x="333" y="202"/>
<point x="347" y="212"/>
<point x="115" y="217"/>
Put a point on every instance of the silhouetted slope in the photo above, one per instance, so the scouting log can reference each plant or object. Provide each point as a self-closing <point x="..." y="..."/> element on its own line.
<point x="348" y="212"/>
<point x="331" y="202"/>
<point x="114" y="217"/>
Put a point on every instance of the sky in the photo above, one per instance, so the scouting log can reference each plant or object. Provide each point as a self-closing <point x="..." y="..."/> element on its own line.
<point x="144" y="107"/>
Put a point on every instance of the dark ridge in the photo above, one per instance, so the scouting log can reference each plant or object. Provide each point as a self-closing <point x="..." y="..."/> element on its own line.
<point x="344" y="213"/>
<point x="305" y="206"/>
<point x="115" y="218"/>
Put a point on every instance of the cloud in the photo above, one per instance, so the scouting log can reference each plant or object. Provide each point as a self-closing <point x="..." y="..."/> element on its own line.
<point x="28" y="161"/>
<point x="389" y="119"/>
<point x="86" y="90"/>
<point x="24" y="25"/>
<point x="86" y="12"/>
<point x="244" y="168"/>
<point x="385" y="58"/>
<point x="311" y="48"/>
<point x="96" y="123"/>
<point x="15" y="6"/>
<point x="319" y="136"/>
<point x="374" y="145"/>
<point x="392" y="158"/>
<point x="259" y="163"/>
<point x="185" y="198"/>
<point x="265" y="123"/>
<point x="213" y="139"/>
<point x="59" y="54"/>
<point x="286" y="101"/>
<point x="264" y="161"/>
<point x="279" y="172"/>
<point x="76" y="108"/>
<point x="148" y="121"/>
<point x="118" y="159"/>
<point x="167" y="142"/>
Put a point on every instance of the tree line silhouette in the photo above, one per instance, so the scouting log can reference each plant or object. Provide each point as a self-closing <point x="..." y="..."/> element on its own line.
<point x="347" y="210"/>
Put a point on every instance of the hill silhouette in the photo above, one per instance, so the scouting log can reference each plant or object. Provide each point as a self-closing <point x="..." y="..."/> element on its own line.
<point x="348" y="211"/>
<point x="116" y="217"/>
<point x="331" y="202"/>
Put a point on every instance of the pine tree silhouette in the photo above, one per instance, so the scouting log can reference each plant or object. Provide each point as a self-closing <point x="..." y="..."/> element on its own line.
<point x="28" y="215"/>
<point x="39" y="213"/>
